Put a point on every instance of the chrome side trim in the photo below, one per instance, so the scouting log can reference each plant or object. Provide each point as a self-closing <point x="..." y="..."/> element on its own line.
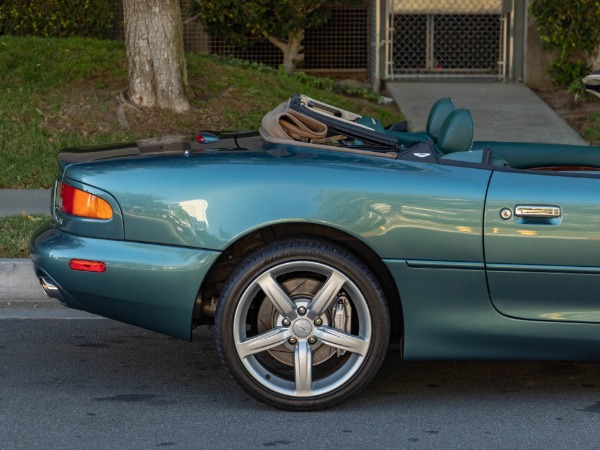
<point x="542" y="268"/>
<point x="464" y="265"/>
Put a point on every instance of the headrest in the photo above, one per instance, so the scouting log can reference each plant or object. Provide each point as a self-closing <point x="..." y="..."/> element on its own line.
<point x="439" y="111"/>
<point x="456" y="134"/>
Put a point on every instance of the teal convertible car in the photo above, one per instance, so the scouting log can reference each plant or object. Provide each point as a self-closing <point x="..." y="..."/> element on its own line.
<point x="313" y="242"/>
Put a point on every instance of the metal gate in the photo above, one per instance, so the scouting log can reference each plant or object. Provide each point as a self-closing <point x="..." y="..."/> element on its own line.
<point x="431" y="38"/>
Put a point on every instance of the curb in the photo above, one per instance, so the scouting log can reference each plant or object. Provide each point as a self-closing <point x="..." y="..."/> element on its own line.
<point x="18" y="282"/>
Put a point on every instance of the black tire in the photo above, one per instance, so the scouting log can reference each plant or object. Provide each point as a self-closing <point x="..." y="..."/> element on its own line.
<point x="298" y="360"/>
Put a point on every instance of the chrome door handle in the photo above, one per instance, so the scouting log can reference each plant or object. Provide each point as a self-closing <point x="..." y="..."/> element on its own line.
<point x="537" y="211"/>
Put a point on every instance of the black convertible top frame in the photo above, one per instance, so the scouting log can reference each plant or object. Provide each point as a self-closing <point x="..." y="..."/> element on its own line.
<point x="333" y="118"/>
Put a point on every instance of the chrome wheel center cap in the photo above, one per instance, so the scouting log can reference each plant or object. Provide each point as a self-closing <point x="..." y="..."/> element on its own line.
<point x="302" y="328"/>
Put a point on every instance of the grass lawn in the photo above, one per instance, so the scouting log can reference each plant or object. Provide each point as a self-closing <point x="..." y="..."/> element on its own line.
<point x="590" y="129"/>
<point x="15" y="232"/>
<point x="60" y="92"/>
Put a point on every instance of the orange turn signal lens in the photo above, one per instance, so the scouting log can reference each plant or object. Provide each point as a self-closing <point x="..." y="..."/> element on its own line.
<point x="83" y="204"/>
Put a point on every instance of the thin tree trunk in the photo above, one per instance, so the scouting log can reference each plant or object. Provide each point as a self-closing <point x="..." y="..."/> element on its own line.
<point x="292" y="49"/>
<point x="155" y="57"/>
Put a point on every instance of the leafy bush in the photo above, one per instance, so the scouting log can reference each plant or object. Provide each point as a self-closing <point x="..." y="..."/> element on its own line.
<point x="566" y="73"/>
<point x="56" y="18"/>
<point x="571" y="28"/>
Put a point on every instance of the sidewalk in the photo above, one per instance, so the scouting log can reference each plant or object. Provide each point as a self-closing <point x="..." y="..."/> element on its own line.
<point x="501" y="111"/>
<point x="32" y="201"/>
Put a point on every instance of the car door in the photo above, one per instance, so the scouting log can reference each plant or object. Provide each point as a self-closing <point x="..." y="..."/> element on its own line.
<point x="542" y="245"/>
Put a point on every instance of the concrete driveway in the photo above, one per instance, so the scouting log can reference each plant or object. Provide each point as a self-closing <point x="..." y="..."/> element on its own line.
<point x="501" y="111"/>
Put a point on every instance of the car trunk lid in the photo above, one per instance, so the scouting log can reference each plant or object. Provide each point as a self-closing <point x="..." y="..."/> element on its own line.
<point x="204" y="141"/>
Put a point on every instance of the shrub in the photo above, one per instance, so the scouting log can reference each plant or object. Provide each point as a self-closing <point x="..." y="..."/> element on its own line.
<point x="566" y="72"/>
<point x="571" y="28"/>
<point x="56" y="18"/>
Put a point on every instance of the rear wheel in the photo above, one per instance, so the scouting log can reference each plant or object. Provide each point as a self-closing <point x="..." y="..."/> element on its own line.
<point x="302" y="324"/>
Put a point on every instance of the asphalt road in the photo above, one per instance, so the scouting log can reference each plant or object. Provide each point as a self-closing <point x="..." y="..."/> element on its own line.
<point x="95" y="383"/>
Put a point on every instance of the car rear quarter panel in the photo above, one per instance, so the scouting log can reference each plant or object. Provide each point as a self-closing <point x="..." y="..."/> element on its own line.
<point x="400" y="209"/>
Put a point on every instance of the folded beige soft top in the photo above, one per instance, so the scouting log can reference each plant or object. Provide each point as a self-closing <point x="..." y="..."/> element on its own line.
<point x="284" y="125"/>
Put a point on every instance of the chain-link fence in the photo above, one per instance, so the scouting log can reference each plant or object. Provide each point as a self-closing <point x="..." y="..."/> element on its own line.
<point x="423" y="38"/>
<point x="339" y="45"/>
<point x="446" y="37"/>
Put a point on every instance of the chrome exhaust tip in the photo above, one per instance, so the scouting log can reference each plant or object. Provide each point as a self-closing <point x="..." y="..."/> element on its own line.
<point x="50" y="288"/>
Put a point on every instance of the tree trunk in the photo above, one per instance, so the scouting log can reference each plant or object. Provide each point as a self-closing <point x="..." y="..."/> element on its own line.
<point x="155" y="57"/>
<point x="292" y="49"/>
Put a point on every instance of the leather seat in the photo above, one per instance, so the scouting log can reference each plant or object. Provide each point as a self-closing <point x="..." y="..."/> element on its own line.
<point x="455" y="141"/>
<point x="440" y="110"/>
<point x="456" y="133"/>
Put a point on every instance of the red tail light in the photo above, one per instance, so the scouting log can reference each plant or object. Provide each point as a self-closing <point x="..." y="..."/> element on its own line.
<point x="83" y="204"/>
<point x="87" y="266"/>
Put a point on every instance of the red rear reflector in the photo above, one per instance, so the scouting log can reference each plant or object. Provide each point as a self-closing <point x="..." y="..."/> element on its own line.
<point x="87" y="266"/>
<point x="83" y="204"/>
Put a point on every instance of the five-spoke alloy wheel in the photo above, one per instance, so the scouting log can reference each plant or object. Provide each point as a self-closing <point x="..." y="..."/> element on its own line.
<point x="302" y="324"/>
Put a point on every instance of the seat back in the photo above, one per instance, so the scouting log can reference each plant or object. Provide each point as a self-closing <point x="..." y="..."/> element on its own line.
<point x="440" y="110"/>
<point x="456" y="134"/>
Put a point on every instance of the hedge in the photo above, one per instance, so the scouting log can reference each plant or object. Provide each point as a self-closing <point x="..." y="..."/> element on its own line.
<point x="56" y="18"/>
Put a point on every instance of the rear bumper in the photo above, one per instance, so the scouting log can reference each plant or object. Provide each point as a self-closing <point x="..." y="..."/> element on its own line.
<point x="151" y="286"/>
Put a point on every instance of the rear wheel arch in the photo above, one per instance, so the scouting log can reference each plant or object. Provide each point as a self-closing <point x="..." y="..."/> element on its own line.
<point x="241" y="248"/>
